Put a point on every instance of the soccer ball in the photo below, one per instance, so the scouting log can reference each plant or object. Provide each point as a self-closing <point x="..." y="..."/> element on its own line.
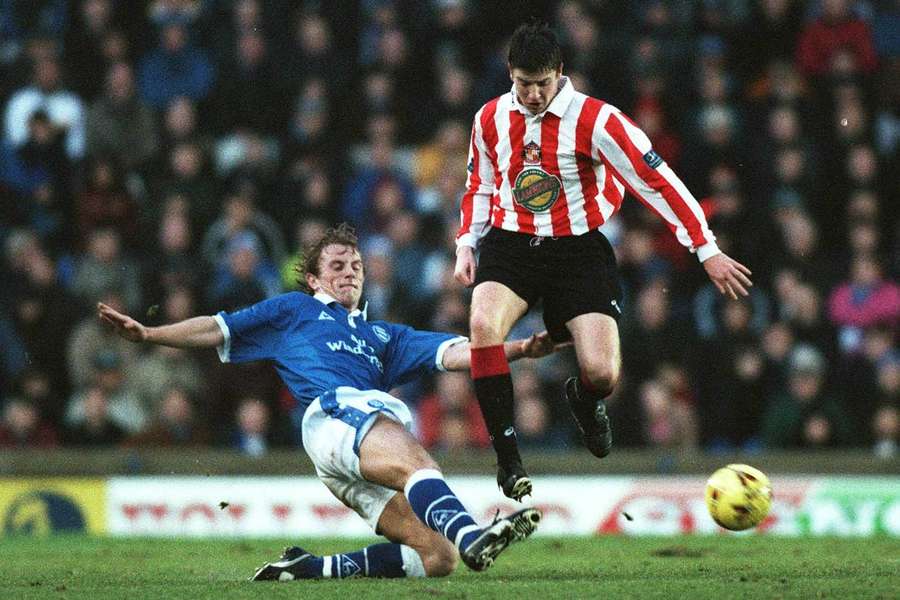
<point x="738" y="497"/>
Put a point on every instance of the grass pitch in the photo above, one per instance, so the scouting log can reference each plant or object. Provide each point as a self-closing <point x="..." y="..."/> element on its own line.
<point x="600" y="567"/>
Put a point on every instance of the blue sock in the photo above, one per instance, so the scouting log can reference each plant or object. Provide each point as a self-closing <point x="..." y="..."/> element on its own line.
<point x="379" y="560"/>
<point x="438" y="507"/>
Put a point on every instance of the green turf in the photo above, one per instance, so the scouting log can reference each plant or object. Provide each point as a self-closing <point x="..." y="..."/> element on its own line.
<point x="545" y="568"/>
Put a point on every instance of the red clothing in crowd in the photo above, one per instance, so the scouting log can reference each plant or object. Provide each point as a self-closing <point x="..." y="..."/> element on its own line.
<point x="431" y="414"/>
<point x="822" y="38"/>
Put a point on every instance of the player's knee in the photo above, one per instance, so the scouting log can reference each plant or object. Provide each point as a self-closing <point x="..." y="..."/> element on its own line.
<point x="603" y="377"/>
<point x="440" y="558"/>
<point x="484" y="328"/>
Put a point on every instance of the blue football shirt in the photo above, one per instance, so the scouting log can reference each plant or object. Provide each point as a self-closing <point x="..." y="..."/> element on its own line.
<point x="318" y="345"/>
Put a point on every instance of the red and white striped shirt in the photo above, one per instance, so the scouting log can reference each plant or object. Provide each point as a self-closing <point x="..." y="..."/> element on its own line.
<point x="564" y="172"/>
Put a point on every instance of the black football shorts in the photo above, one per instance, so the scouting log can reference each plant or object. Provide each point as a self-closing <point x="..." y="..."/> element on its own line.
<point x="572" y="275"/>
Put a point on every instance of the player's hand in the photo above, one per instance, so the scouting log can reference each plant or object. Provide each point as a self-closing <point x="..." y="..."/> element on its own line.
<point x="540" y="344"/>
<point x="465" y="265"/>
<point x="730" y="276"/>
<point x="124" y="325"/>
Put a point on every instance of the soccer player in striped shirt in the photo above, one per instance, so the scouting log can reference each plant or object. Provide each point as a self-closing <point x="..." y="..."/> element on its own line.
<point x="548" y="166"/>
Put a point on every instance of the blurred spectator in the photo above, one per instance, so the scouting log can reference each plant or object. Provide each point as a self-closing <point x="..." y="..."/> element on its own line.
<point x="769" y="33"/>
<point x="866" y="300"/>
<point x="243" y="276"/>
<point x="43" y="313"/>
<point x="97" y="428"/>
<point x="240" y="215"/>
<point x="87" y="42"/>
<point x="886" y="425"/>
<point x="181" y="125"/>
<point x="380" y="279"/>
<point x="454" y="101"/>
<point x="860" y="377"/>
<point x="313" y="52"/>
<point x="119" y="123"/>
<point x="22" y="426"/>
<point x="39" y="173"/>
<point x="187" y="173"/>
<point x="449" y="417"/>
<point x="310" y="129"/>
<point x="21" y="20"/>
<point x="802" y="306"/>
<point x="535" y="426"/>
<point x="175" y="425"/>
<point x="251" y="433"/>
<point x="652" y="334"/>
<point x="46" y="93"/>
<point x="89" y="337"/>
<point x="109" y="376"/>
<point x="104" y="202"/>
<point x="247" y="81"/>
<point x="376" y="192"/>
<point x="246" y="152"/>
<point x="164" y="368"/>
<point x="836" y="30"/>
<point x="777" y="343"/>
<point x="442" y="155"/>
<point x="172" y="262"/>
<point x="175" y="67"/>
<point x="36" y="386"/>
<point x="805" y="414"/>
<point x="104" y="266"/>
<point x="668" y="423"/>
<point x="729" y="370"/>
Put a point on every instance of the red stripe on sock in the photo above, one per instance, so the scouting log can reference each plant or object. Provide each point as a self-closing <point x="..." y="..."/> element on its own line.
<point x="489" y="361"/>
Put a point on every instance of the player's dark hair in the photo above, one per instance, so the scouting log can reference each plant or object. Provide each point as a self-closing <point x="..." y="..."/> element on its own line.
<point x="343" y="235"/>
<point x="534" y="48"/>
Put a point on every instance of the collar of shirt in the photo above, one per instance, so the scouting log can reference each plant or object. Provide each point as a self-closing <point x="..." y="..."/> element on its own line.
<point x="328" y="300"/>
<point x="557" y="106"/>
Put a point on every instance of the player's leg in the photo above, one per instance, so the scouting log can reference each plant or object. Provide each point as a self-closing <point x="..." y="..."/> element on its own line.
<point x="414" y="551"/>
<point x="597" y="348"/>
<point x="584" y="306"/>
<point x="390" y="456"/>
<point x="495" y="309"/>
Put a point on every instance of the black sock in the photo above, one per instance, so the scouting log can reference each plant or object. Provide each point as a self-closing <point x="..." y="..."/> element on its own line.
<point x="495" y="396"/>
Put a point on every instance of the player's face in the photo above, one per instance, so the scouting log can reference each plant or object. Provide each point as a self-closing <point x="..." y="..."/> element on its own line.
<point x="340" y="275"/>
<point x="535" y="90"/>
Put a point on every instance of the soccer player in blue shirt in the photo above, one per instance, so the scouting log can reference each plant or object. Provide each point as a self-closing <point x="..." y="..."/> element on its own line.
<point x="339" y="366"/>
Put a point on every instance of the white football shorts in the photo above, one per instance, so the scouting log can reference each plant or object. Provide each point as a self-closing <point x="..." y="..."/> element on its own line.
<point x="333" y="427"/>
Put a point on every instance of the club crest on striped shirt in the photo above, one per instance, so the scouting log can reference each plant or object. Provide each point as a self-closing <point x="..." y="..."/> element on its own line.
<point x="536" y="189"/>
<point x="531" y="154"/>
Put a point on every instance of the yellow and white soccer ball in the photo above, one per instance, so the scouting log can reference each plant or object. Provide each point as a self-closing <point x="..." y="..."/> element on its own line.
<point x="738" y="497"/>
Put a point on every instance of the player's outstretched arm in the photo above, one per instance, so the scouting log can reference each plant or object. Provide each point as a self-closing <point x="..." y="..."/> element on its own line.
<point x="198" y="332"/>
<point x="458" y="356"/>
<point x="729" y="276"/>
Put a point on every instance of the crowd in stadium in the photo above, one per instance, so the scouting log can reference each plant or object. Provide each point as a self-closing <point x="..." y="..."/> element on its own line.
<point x="171" y="157"/>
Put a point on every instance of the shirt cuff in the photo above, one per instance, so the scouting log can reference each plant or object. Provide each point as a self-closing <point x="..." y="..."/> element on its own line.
<point x="225" y="349"/>
<point x="439" y="355"/>
<point x="707" y="250"/>
<point x="466" y="239"/>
